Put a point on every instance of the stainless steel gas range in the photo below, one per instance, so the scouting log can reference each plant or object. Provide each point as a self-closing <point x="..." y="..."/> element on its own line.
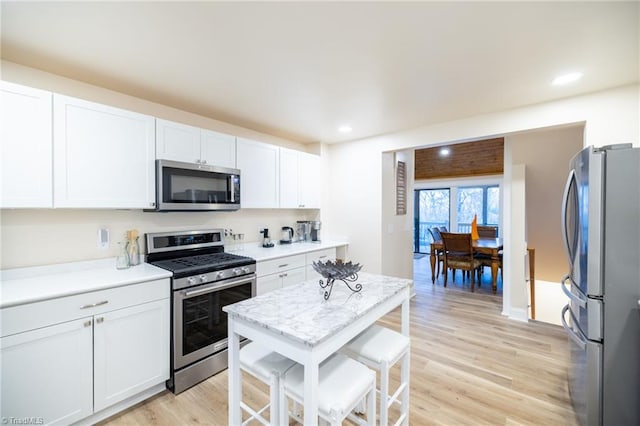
<point x="205" y="279"/>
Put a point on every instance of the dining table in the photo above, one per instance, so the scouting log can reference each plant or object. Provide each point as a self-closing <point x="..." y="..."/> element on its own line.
<point x="486" y="246"/>
<point x="297" y="322"/>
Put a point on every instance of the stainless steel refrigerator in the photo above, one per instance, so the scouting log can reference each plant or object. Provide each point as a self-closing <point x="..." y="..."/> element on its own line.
<point x="601" y="226"/>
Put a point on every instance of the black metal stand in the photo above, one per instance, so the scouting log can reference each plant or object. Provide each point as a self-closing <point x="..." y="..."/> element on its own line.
<point x="346" y="280"/>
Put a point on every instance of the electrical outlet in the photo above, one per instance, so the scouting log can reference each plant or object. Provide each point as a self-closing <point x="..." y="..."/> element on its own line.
<point x="103" y="238"/>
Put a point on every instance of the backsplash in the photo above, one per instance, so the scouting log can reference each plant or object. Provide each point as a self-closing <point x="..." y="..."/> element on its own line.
<point x="44" y="237"/>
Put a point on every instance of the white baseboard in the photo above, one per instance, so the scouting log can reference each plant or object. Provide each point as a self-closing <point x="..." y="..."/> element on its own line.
<point x="519" y="314"/>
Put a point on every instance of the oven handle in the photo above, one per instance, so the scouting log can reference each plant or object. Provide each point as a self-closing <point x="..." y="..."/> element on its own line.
<point x="217" y="286"/>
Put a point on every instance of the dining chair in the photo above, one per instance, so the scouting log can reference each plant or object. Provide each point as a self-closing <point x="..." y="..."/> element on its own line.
<point x="435" y="234"/>
<point x="443" y="229"/>
<point x="485" y="231"/>
<point x="458" y="254"/>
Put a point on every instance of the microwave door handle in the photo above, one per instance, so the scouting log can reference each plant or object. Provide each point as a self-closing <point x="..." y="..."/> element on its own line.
<point x="579" y="340"/>
<point x="565" y="235"/>
<point x="581" y="302"/>
<point x="231" y="188"/>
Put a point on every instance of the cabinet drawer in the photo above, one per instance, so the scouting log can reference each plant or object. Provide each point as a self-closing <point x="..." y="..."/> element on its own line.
<point x="21" y="318"/>
<point x="323" y="255"/>
<point x="281" y="264"/>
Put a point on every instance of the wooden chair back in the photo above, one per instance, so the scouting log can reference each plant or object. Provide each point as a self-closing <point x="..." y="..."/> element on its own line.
<point x="458" y="254"/>
<point x="457" y="246"/>
<point x="487" y="231"/>
<point x="435" y="234"/>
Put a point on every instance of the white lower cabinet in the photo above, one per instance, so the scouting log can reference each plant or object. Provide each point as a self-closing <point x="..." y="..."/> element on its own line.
<point x="48" y="373"/>
<point x="315" y="256"/>
<point x="281" y="272"/>
<point x="105" y="347"/>
<point x="130" y="352"/>
<point x="284" y="271"/>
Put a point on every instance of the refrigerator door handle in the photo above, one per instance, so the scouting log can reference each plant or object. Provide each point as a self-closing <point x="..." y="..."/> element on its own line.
<point x="579" y="340"/>
<point x="581" y="302"/>
<point x="565" y="197"/>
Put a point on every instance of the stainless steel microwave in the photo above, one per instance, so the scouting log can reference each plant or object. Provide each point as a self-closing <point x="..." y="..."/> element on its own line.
<point x="196" y="187"/>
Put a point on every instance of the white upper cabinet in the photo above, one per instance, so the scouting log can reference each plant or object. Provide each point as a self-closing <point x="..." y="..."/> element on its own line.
<point x="289" y="173"/>
<point x="26" y="147"/>
<point x="299" y="179"/>
<point x="309" y="186"/>
<point x="104" y="157"/>
<point x="179" y="142"/>
<point x="217" y="149"/>
<point x="259" y="172"/>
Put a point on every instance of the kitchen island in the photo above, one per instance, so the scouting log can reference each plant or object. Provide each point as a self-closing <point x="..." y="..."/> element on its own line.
<point x="298" y="323"/>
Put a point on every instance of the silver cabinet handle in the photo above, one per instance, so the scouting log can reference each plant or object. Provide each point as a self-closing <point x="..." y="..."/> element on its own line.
<point x="87" y="323"/>
<point x="282" y="266"/>
<point x="100" y="320"/>
<point x="322" y="257"/>
<point x="197" y="161"/>
<point x="104" y="302"/>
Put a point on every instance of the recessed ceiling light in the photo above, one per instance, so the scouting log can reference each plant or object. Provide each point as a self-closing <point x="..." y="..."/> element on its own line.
<point x="444" y="152"/>
<point x="566" y="78"/>
<point x="344" y="129"/>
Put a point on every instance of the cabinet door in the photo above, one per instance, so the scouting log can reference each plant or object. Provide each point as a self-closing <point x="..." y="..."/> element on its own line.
<point x="131" y="349"/>
<point x="294" y="276"/>
<point x="259" y="165"/>
<point x="178" y="142"/>
<point x="268" y="283"/>
<point x="217" y="149"/>
<point x="48" y="373"/>
<point x="26" y="154"/>
<point x="103" y="156"/>
<point x="289" y="178"/>
<point x="309" y="187"/>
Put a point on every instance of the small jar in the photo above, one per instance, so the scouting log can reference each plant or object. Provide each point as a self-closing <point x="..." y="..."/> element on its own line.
<point x="122" y="261"/>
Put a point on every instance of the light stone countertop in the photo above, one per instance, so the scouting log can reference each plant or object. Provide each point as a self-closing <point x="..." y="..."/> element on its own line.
<point x="33" y="284"/>
<point x="259" y="253"/>
<point x="299" y="312"/>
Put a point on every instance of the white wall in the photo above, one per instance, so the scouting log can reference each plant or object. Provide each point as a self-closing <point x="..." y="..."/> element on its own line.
<point x="397" y="230"/>
<point x="356" y="174"/>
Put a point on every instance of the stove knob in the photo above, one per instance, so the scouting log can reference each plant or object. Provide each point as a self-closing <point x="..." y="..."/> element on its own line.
<point x="246" y="270"/>
<point x="191" y="281"/>
<point x="237" y="271"/>
<point x="219" y="275"/>
<point x="203" y="278"/>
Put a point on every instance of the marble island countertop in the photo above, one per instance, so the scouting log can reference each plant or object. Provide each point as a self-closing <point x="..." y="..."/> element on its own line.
<point x="34" y="284"/>
<point x="300" y="312"/>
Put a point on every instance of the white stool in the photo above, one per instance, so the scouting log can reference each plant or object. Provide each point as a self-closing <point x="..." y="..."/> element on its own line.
<point x="380" y="348"/>
<point x="268" y="367"/>
<point x="342" y="384"/>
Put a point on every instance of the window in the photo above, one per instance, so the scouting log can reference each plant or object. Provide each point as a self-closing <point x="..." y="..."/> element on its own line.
<point x="453" y="207"/>
<point x="483" y="201"/>
<point x="431" y="210"/>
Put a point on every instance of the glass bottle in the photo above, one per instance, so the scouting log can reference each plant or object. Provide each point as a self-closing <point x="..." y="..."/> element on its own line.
<point x="122" y="261"/>
<point x="133" y="250"/>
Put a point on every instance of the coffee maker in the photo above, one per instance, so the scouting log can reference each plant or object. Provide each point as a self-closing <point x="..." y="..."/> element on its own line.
<point x="303" y="231"/>
<point x="315" y="230"/>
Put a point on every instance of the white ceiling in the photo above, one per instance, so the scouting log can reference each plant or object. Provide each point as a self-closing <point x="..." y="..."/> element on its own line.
<point x="299" y="70"/>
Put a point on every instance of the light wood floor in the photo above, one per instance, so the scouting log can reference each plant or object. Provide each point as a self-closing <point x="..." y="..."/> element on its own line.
<point x="469" y="366"/>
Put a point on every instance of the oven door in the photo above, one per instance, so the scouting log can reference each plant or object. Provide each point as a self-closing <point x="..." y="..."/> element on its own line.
<point x="199" y="323"/>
